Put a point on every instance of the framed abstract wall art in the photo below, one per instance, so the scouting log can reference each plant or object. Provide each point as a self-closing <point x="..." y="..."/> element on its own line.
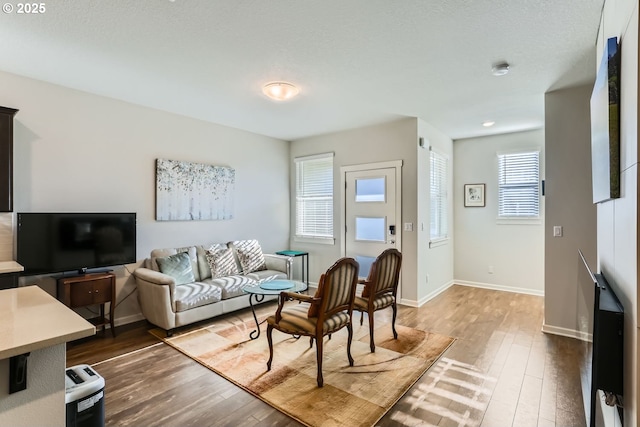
<point x="188" y="191"/>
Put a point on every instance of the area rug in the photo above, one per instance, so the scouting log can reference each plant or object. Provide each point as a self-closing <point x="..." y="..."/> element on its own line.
<point x="351" y="396"/>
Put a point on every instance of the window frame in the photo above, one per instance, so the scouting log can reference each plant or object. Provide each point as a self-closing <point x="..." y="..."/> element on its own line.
<point x="442" y="194"/>
<point x="305" y="235"/>
<point x="534" y="183"/>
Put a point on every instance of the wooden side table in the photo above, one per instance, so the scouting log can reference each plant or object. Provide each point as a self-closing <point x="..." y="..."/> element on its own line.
<point x="90" y="289"/>
<point x="299" y="254"/>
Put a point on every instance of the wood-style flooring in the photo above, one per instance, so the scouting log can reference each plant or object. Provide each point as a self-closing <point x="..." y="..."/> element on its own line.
<point x="501" y="371"/>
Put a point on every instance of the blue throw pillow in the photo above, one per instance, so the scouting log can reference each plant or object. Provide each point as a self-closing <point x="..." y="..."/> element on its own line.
<point x="177" y="266"/>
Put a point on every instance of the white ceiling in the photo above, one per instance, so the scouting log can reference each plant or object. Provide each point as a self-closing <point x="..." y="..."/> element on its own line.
<point x="357" y="62"/>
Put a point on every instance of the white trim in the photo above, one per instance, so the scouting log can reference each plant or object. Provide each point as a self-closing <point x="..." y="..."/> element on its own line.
<point x="313" y="157"/>
<point x="514" y="220"/>
<point x="369" y="166"/>
<point x="564" y="332"/>
<point x="503" y="288"/>
<point x="317" y="240"/>
<point x="522" y="150"/>
<point x="429" y="297"/>
<point x="441" y="241"/>
<point x="118" y="321"/>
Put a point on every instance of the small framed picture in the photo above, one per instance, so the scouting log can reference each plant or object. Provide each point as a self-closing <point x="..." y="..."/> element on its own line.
<point x="474" y="195"/>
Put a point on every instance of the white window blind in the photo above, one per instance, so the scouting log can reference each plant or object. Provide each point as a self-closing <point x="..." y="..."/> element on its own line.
<point x="518" y="185"/>
<point x="438" y="197"/>
<point x="314" y="196"/>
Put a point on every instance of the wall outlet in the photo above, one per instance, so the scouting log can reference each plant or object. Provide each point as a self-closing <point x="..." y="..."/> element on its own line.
<point x="491" y="269"/>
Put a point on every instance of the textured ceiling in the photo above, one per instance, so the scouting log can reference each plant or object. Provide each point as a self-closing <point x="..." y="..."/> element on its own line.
<point x="357" y="62"/>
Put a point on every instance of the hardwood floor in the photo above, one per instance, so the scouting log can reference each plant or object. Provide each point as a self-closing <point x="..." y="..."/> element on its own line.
<point x="501" y="371"/>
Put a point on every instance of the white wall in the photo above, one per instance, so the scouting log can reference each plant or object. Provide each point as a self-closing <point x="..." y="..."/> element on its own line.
<point x="42" y="403"/>
<point x="396" y="140"/>
<point x="75" y="151"/>
<point x="435" y="264"/>
<point x="618" y="219"/>
<point x="569" y="203"/>
<point x="514" y="250"/>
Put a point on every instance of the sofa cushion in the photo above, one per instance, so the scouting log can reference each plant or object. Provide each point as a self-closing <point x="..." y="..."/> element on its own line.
<point x="222" y="262"/>
<point x="231" y="285"/>
<point x="196" y="294"/>
<point x="250" y="255"/>
<point x="264" y="275"/>
<point x="177" y="266"/>
<point x="163" y="253"/>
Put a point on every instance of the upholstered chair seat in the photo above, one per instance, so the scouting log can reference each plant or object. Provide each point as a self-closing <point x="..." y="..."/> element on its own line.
<point x="380" y="289"/>
<point x="327" y="312"/>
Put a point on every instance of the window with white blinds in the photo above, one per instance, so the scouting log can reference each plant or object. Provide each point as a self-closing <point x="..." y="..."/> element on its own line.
<point x="438" y="196"/>
<point x="518" y="185"/>
<point x="314" y="196"/>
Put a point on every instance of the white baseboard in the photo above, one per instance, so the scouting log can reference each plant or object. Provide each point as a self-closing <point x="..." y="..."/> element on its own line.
<point x="565" y="332"/>
<point x="500" y="288"/>
<point x="429" y="297"/>
<point x="119" y="321"/>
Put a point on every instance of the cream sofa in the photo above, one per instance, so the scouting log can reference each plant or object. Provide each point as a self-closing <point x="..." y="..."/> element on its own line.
<point x="169" y="303"/>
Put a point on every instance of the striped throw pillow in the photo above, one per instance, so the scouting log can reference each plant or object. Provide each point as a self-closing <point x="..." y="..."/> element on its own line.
<point x="250" y="255"/>
<point x="222" y="262"/>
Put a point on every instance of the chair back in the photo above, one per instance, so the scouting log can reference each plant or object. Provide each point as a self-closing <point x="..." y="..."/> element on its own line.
<point x="339" y="286"/>
<point x="385" y="272"/>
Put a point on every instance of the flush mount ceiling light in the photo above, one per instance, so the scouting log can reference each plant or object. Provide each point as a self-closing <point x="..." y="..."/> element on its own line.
<point x="500" y="69"/>
<point x="280" y="91"/>
<point x="488" y="123"/>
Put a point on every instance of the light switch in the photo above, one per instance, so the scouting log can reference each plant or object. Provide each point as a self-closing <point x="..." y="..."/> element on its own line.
<point x="557" y="231"/>
<point x="408" y="226"/>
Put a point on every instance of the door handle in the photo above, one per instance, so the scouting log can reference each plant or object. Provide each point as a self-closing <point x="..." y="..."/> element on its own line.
<point x="392" y="230"/>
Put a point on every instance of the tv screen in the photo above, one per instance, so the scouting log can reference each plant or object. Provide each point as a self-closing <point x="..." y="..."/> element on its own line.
<point x="59" y="242"/>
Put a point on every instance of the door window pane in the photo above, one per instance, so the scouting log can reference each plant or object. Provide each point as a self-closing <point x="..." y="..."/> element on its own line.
<point x="370" y="190"/>
<point x="365" y="264"/>
<point x="371" y="229"/>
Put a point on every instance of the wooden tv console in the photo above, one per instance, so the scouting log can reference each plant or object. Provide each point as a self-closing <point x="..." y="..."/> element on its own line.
<point x="90" y="289"/>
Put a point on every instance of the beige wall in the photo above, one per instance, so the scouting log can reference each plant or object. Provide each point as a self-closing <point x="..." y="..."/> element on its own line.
<point x="568" y="203"/>
<point x="514" y="250"/>
<point x="618" y="219"/>
<point x="42" y="403"/>
<point x="74" y="151"/>
<point x="396" y="140"/>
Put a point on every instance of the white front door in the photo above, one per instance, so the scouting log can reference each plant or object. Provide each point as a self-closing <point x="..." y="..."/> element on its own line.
<point x="371" y="207"/>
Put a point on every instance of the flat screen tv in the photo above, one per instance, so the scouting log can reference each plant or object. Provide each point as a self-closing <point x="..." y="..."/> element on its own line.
<point x="61" y="242"/>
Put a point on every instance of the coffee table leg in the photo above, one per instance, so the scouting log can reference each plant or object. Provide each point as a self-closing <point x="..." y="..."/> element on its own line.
<point x="258" y="299"/>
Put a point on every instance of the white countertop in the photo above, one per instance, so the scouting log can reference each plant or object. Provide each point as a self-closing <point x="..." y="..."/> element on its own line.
<point x="31" y="319"/>
<point x="10" y="267"/>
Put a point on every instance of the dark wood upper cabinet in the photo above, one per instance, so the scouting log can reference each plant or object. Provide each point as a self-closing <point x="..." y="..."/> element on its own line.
<point x="6" y="158"/>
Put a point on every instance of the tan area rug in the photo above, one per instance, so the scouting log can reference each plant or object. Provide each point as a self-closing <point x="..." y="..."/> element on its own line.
<point x="351" y="396"/>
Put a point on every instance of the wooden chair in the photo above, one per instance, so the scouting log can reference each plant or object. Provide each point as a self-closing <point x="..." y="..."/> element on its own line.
<point x="330" y="310"/>
<point x="380" y="289"/>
